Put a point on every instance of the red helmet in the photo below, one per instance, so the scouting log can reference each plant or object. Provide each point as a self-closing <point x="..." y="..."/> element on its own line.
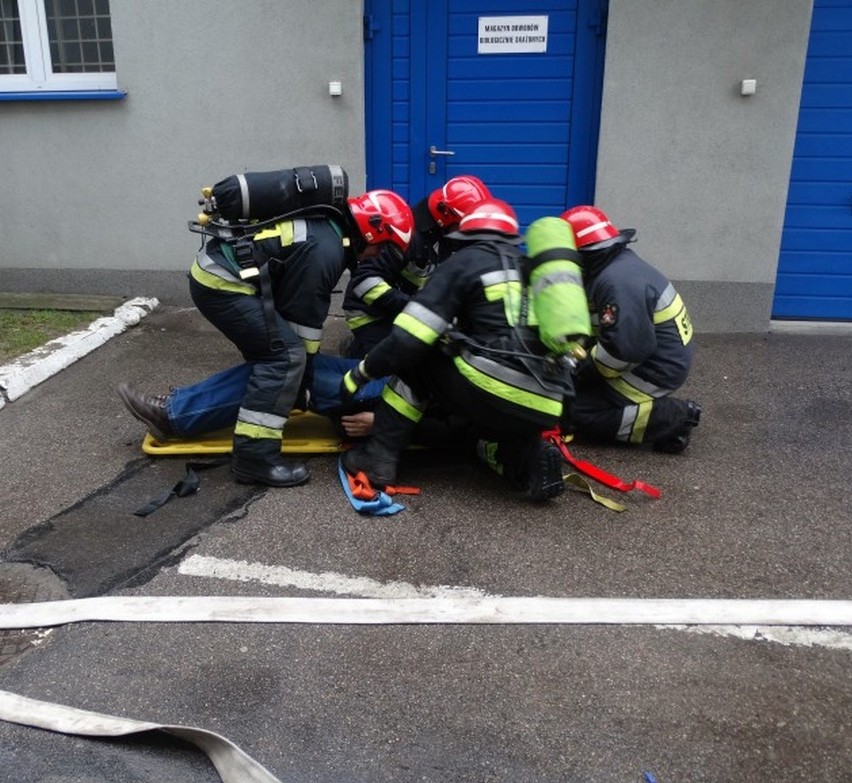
<point x="590" y="225"/>
<point x="449" y="204"/>
<point x="492" y="214"/>
<point x="383" y="216"/>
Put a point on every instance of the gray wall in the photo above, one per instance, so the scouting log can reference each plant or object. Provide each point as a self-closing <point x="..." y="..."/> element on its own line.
<point x="699" y="169"/>
<point x="213" y="89"/>
<point x="97" y="195"/>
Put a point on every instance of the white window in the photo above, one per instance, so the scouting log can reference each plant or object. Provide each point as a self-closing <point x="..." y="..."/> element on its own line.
<point x="56" y="46"/>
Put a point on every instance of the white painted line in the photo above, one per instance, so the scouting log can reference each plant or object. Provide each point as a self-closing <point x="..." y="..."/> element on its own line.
<point x="329" y="582"/>
<point x="445" y="610"/>
<point x="35" y="367"/>
<point x="779" y="634"/>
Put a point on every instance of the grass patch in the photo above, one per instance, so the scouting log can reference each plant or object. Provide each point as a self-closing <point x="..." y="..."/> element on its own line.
<point x="22" y="331"/>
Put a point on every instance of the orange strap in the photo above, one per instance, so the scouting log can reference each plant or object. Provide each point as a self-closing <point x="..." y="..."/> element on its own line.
<point x="361" y="488"/>
<point x="593" y="471"/>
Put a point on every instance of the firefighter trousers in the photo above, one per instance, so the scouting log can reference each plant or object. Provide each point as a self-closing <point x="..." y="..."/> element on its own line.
<point x="277" y="362"/>
<point x="601" y="413"/>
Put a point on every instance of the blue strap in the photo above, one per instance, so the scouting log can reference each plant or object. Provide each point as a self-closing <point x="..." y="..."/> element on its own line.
<point x="380" y="506"/>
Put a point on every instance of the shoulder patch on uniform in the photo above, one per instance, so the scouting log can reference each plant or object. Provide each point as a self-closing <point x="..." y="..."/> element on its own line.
<point x="609" y="314"/>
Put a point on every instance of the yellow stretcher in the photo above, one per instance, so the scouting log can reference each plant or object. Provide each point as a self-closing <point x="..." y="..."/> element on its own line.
<point x="305" y="433"/>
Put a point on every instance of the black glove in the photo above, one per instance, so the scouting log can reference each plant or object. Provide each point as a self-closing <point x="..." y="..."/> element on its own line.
<point x="303" y="398"/>
<point x="352" y="381"/>
<point x="584" y="371"/>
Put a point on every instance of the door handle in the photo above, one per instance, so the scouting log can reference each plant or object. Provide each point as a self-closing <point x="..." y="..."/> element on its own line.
<point x="433" y="152"/>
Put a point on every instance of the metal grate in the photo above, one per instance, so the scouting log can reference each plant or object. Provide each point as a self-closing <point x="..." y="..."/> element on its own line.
<point x="11" y="43"/>
<point x="80" y="36"/>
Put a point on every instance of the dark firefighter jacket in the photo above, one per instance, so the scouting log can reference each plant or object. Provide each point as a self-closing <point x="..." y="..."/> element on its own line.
<point x="382" y="285"/>
<point x="643" y="332"/>
<point x="475" y="296"/>
<point x="306" y="258"/>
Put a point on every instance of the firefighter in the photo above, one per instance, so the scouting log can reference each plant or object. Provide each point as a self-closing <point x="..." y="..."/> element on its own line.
<point x="381" y="286"/>
<point x="643" y="343"/>
<point x="277" y="335"/>
<point x="460" y="342"/>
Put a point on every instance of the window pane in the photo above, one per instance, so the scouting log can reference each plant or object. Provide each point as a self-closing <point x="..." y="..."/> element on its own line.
<point x="11" y="43"/>
<point x="90" y="52"/>
<point x="107" y="57"/>
<point x="69" y="30"/>
<point x="72" y="23"/>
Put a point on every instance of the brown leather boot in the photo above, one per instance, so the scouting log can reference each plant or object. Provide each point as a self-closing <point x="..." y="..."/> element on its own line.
<point x="150" y="409"/>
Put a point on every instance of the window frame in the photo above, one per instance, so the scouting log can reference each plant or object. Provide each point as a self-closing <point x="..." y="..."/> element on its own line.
<point x="40" y="77"/>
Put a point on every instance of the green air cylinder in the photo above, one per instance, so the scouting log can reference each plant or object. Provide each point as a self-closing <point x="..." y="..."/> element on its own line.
<point x="261" y="195"/>
<point x="558" y="301"/>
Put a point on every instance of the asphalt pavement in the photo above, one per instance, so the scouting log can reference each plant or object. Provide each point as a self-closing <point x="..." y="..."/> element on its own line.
<point x="756" y="508"/>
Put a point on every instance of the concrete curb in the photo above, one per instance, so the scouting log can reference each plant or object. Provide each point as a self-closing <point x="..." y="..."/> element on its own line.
<point x="31" y="369"/>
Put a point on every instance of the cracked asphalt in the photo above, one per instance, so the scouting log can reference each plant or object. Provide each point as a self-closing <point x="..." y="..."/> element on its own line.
<point x="756" y="508"/>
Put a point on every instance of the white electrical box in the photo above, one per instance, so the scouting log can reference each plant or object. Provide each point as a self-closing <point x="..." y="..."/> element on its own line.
<point x="335" y="88"/>
<point x="748" y="86"/>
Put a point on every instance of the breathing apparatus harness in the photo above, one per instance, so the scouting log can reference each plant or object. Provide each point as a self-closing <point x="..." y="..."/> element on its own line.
<point x="550" y="370"/>
<point x="225" y="215"/>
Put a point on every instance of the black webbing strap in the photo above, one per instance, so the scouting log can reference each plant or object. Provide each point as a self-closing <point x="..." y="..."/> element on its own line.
<point x="249" y="259"/>
<point x="267" y="298"/>
<point x="188" y="485"/>
<point x="244" y="253"/>
<point x="556" y="254"/>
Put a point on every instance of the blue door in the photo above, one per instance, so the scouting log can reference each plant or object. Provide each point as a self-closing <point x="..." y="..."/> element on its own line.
<point x="815" y="266"/>
<point x="504" y="90"/>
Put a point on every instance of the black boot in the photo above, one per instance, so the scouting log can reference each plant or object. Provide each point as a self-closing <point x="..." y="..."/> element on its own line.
<point x="374" y="460"/>
<point x="533" y="466"/>
<point x="259" y="461"/>
<point x="150" y="409"/>
<point x="677" y="443"/>
<point x="543" y="471"/>
<point x="379" y="455"/>
<point x="274" y="472"/>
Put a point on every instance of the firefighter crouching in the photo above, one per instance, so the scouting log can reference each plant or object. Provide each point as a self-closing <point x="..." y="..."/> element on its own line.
<point x="381" y="286"/>
<point x="269" y="294"/>
<point x="462" y="342"/>
<point x="643" y="348"/>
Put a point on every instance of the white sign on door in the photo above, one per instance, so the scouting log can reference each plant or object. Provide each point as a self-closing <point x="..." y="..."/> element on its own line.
<point x="512" y="34"/>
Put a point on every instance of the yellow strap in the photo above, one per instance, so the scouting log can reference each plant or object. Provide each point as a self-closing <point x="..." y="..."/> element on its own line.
<point x="284" y="230"/>
<point x="578" y="482"/>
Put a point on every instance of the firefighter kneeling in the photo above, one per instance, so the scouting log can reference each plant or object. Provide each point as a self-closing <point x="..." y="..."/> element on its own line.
<point x="462" y="342"/>
<point x="643" y="344"/>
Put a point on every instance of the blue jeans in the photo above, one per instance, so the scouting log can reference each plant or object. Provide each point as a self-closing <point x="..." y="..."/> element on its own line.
<point x="213" y="403"/>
